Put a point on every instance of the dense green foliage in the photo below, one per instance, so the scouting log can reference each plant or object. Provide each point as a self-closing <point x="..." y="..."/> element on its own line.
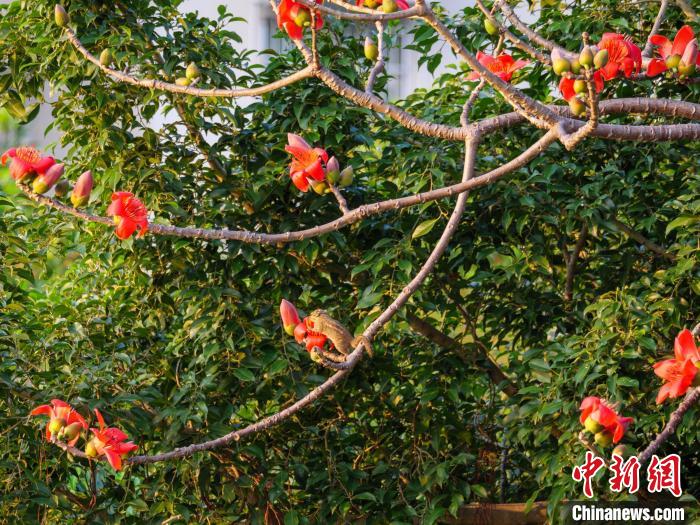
<point x="179" y="340"/>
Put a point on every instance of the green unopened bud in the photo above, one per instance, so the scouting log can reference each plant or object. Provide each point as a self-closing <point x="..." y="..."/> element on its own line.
<point x="333" y="170"/>
<point x="585" y="58"/>
<point x="346" y="177"/>
<point x="62" y="188"/>
<point x="577" y="106"/>
<point x="90" y="449"/>
<point x="183" y="81"/>
<point x="389" y="6"/>
<point x="60" y="15"/>
<point x="192" y="71"/>
<point x="604" y="439"/>
<point x="106" y="57"/>
<point x="561" y="65"/>
<point x="491" y="28"/>
<point x="71" y="432"/>
<point x="601" y="58"/>
<point x="371" y="49"/>
<point x="55" y="425"/>
<point x="624" y="451"/>
<point x="575" y="66"/>
<point x="592" y="425"/>
<point x="580" y="86"/>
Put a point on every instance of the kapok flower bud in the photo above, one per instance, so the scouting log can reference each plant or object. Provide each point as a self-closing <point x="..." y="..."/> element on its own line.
<point x="389" y="6"/>
<point x="62" y="188"/>
<point x="490" y="27"/>
<point x="55" y="425"/>
<point x="106" y="57"/>
<point x="577" y="106"/>
<point x="624" y="451"/>
<point x="290" y="316"/>
<point x="346" y="177"/>
<point x="333" y="170"/>
<point x="371" y="49"/>
<point x="561" y="65"/>
<point x="689" y="58"/>
<point x="182" y="81"/>
<point x="60" y="15"/>
<point x="192" y="71"/>
<point x="72" y="431"/>
<point x="580" y="86"/>
<point x="575" y="66"/>
<point x="45" y="181"/>
<point x="601" y="58"/>
<point x="82" y="190"/>
<point x="585" y="58"/>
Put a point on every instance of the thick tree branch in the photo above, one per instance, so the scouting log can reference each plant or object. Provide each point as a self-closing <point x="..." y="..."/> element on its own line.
<point x="352" y="217"/>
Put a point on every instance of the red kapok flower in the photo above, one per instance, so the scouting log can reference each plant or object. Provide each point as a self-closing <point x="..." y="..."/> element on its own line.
<point x="61" y="414"/>
<point x="675" y="51"/>
<point x="129" y="214"/>
<point x="110" y="442"/>
<point x="308" y="163"/>
<point x="294" y="17"/>
<point x="503" y="66"/>
<point x="402" y="4"/>
<point x="623" y="55"/>
<point x="566" y="85"/>
<point x="290" y="316"/>
<point x="603" y="414"/>
<point x="679" y="372"/>
<point x="26" y="161"/>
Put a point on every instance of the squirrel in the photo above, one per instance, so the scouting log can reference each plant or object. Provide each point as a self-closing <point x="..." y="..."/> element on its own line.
<point x="319" y="321"/>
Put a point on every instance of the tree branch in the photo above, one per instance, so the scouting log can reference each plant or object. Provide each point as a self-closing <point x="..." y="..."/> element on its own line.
<point x="649" y="47"/>
<point x="641" y="239"/>
<point x="571" y="263"/>
<point x="307" y="72"/>
<point x="496" y="375"/>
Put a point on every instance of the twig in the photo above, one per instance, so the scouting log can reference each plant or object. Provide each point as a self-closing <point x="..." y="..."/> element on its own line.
<point x="688" y="10"/>
<point x="649" y="47"/>
<point x="571" y="263"/>
<point x="496" y="375"/>
<point x="342" y="203"/>
<point x="519" y="43"/>
<point x="379" y="64"/>
<point x="307" y="72"/>
<point x="650" y="245"/>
